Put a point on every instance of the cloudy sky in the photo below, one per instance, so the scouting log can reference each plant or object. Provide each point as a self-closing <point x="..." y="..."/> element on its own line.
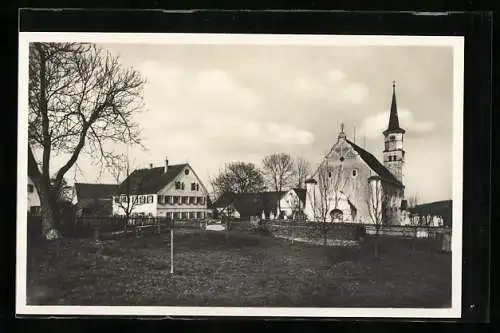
<point x="212" y="104"/>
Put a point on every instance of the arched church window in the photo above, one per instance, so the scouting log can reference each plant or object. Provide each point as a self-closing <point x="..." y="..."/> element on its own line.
<point x="392" y="138"/>
<point x="329" y="174"/>
<point x="354" y="172"/>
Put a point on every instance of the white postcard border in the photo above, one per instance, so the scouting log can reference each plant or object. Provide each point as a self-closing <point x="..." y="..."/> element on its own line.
<point x="456" y="42"/>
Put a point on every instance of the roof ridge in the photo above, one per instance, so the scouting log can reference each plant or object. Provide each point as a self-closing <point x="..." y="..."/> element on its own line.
<point x="380" y="165"/>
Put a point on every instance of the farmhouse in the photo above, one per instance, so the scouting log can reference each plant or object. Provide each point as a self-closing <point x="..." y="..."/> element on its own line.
<point x="172" y="191"/>
<point x="351" y="185"/>
<point x="93" y="199"/>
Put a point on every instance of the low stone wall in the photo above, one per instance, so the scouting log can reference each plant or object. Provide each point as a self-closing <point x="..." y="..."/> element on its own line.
<point x="410" y="231"/>
<point x="337" y="234"/>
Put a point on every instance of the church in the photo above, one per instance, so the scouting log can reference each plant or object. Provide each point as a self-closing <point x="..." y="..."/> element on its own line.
<point x="352" y="185"/>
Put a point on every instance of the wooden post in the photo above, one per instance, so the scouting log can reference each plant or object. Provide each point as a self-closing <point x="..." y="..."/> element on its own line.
<point x="227" y="230"/>
<point x="172" y="247"/>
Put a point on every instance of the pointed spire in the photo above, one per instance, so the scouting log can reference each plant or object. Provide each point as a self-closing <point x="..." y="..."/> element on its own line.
<point x="393" y="117"/>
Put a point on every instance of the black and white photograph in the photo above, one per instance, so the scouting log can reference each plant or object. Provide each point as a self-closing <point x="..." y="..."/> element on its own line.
<point x="245" y="175"/>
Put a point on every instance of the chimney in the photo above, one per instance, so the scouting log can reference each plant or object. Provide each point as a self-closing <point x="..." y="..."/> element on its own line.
<point x="151" y="165"/>
<point x="166" y="164"/>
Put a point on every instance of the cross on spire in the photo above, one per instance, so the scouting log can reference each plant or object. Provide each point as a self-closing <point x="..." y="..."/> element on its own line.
<point x="393" y="117"/>
<point x="342" y="126"/>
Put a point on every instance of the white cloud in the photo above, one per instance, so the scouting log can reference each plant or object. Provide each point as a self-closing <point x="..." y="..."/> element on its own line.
<point x="331" y="87"/>
<point x="335" y="75"/>
<point x="373" y="126"/>
<point x="264" y="132"/>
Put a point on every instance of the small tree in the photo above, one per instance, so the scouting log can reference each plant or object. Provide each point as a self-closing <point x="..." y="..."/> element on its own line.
<point x="126" y="198"/>
<point x="302" y="170"/>
<point x="238" y="177"/>
<point x="279" y="171"/>
<point x="376" y="201"/>
<point x="326" y="198"/>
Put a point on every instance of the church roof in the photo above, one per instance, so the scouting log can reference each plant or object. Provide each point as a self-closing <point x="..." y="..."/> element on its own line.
<point x="393" y="126"/>
<point x="375" y="165"/>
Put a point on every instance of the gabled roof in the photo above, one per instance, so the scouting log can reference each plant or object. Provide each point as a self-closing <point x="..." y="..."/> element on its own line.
<point x="224" y="200"/>
<point x="250" y="204"/>
<point x="443" y="207"/>
<point x="95" y="191"/>
<point x="375" y="165"/>
<point x="149" y="181"/>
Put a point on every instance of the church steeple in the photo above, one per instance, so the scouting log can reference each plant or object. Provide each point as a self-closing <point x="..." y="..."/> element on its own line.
<point x="393" y="126"/>
<point x="394" y="154"/>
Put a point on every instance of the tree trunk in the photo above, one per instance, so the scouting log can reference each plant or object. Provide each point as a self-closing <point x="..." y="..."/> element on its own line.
<point x="48" y="207"/>
<point x="325" y="234"/>
<point x="375" y="248"/>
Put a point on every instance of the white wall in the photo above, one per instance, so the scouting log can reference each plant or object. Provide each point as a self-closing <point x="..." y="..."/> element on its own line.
<point x="33" y="197"/>
<point x="290" y="203"/>
<point x="312" y="208"/>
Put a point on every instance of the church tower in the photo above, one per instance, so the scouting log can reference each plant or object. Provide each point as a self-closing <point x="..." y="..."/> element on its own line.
<point x="394" y="154"/>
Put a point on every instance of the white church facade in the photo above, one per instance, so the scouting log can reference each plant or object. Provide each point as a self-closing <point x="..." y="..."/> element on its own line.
<point x="352" y="185"/>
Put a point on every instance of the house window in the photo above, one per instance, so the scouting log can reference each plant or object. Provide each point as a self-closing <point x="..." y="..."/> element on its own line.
<point x="168" y="199"/>
<point x="169" y="215"/>
<point x="184" y="215"/>
<point x="193" y="186"/>
<point x="134" y="199"/>
<point x="197" y="187"/>
<point x="199" y="215"/>
<point x="177" y="185"/>
<point x="182" y="186"/>
<point x="200" y="200"/>
<point x="150" y="199"/>
<point x="185" y="200"/>
<point x="30" y="188"/>
<point x="186" y="172"/>
<point x="142" y="199"/>
<point x="192" y="215"/>
<point x="192" y="200"/>
<point x="177" y="215"/>
<point x="160" y="199"/>
<point x="176" y="199"/>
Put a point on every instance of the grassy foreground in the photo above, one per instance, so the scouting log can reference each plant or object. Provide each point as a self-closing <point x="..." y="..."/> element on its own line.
<point x="249" y="270"/>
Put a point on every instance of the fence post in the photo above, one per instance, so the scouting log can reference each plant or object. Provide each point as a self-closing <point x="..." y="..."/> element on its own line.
<point x="172" y="246"/>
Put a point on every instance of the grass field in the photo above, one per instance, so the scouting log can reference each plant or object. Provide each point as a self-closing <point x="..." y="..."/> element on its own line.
<point x="248" y="270"/>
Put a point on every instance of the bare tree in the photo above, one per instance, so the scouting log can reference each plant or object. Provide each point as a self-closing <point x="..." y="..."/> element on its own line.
<point x="325" y="200"/>
<point x="80" y="98"/>
<point x="279" y="171"/>
<point x="302" y="170"/>
<point x="376" y="200"/>
<point x="238" y="177"/>
<point x="126" y="199"/>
